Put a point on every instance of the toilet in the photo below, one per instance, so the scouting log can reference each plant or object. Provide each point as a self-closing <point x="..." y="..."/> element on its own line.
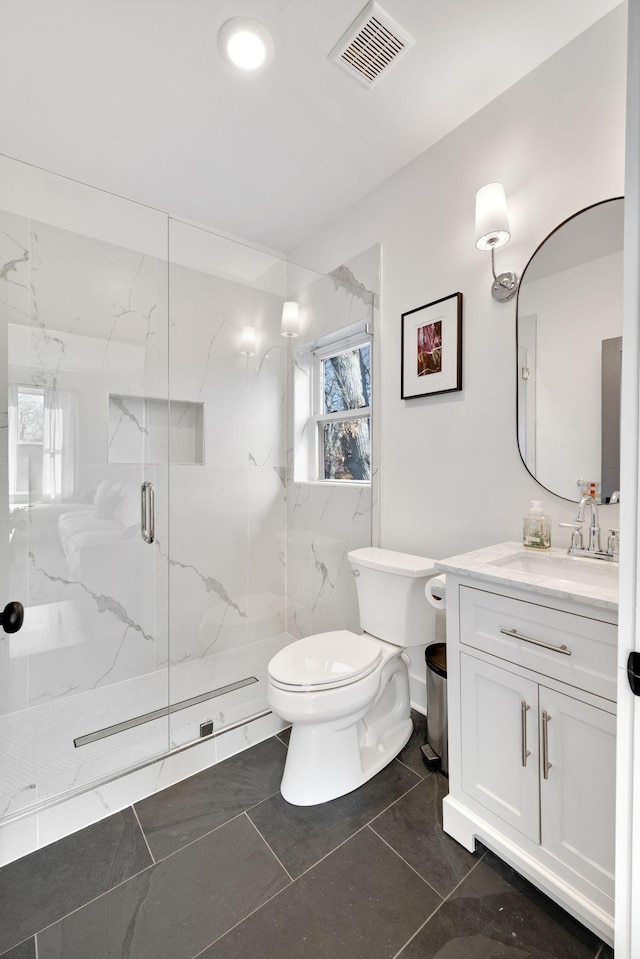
<point x="347" y="695"/>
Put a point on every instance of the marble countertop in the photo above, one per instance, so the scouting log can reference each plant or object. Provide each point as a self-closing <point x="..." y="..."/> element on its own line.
<point x="488" y="564"/>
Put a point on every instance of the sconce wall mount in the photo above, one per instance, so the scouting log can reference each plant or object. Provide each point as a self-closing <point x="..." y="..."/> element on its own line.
<point x="505" y="285"/>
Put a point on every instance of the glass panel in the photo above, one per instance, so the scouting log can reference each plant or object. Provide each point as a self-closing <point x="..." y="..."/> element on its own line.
<point x="82" y="317"/>
<point x="227" y="578"/>
<point x="346" y="380"/>
<point x="346" y="449"/>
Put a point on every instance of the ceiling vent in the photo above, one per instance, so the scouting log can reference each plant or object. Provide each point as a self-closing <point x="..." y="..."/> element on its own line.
<point x="371" y="45"/>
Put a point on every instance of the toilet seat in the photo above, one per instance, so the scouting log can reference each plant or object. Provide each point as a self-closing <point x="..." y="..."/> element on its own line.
<point x="324" y="661"/>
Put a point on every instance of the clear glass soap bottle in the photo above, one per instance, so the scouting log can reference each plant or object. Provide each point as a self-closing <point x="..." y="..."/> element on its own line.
<point x="536" y="527"/>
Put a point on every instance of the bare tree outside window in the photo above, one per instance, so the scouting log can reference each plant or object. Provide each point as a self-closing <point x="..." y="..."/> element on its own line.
<point x="346" y="442"/>
<point x="30" y="417"/>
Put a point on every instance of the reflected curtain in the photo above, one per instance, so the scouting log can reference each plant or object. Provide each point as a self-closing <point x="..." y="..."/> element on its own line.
<point x="59" y="445"/>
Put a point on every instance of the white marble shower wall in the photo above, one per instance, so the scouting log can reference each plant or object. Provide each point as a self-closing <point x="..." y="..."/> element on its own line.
<point x="228" y="513"/>
<point x="326" y="520"/>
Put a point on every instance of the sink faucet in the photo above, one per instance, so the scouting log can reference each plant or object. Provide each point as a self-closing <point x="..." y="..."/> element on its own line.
<point x="594" y="550"/>
<point x="594" y="528"/>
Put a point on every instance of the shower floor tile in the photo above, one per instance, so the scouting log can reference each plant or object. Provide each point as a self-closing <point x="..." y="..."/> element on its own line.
<point x="38" y="758"/>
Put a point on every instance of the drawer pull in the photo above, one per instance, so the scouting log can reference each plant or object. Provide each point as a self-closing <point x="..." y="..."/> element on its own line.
<point x="536" y="642"/>
<point x="546" y="765"/>
<point x="524" y="708"/>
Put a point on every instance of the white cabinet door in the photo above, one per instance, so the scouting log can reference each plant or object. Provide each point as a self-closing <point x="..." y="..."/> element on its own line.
<point x="577" y="788"/>
<point x="500" y="743"/>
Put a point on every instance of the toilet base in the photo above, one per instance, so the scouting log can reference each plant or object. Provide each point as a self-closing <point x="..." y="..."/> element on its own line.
<point x="327" y="761"/>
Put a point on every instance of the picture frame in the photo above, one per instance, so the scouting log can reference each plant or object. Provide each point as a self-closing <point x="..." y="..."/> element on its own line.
<point x="431" y="348"/>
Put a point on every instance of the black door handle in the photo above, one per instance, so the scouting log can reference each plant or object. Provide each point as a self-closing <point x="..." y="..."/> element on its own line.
<point x="12" y="617"/>
<point x="633" y="673"/>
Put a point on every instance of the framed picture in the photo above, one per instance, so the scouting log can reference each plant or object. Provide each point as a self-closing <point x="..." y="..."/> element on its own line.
<point x="432" y="348"/>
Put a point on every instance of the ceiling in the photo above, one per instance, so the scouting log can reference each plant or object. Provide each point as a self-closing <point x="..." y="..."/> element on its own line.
<point x="132" y="96"/>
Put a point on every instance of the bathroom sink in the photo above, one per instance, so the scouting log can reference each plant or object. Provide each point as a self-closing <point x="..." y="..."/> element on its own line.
<point x="573" y="569"/>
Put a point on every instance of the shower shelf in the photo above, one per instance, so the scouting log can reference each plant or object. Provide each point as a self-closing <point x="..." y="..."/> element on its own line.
<point x="143" y="429"/>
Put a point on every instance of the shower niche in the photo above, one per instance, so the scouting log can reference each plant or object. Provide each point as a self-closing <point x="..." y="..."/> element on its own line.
<point x="145" y="429"/>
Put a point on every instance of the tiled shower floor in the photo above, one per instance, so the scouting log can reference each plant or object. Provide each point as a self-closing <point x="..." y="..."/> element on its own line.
<point x="37" y="755"/>
<point x="220" y="867"/>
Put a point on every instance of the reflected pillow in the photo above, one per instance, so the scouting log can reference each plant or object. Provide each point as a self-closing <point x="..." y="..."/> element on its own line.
<point x="101" y="492"/>
<point x="107" y="505"/>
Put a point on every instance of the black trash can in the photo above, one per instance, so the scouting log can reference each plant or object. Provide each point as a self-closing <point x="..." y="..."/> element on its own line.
<point x="435" y="751"/>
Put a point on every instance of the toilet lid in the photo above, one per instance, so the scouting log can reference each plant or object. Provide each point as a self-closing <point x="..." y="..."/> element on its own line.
<point x="325" y="660"/>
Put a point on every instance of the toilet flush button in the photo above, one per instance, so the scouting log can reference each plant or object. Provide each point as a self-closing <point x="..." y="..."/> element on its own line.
<point x="380" y="747"/>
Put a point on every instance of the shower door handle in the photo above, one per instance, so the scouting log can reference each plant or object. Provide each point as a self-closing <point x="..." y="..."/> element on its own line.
<point x="12" y="617"/>
<point x="147" y="512"/>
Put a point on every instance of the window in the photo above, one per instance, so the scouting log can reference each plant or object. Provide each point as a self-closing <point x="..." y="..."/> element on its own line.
<point x="42" y="444"/>
<point x="341" y="410"/>
<point x="30" y="436"/>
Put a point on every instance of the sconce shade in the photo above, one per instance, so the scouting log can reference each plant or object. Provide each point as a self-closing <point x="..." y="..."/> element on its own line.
<point x="290" y="319"/>
<point x="492" y="219"/>
<point x="248" y="341"/>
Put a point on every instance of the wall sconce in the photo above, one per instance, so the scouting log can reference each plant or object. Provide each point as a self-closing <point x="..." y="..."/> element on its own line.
<point x="248" y="341"/>
<point x="290" y="319"/>
<point x="492" y="232"/>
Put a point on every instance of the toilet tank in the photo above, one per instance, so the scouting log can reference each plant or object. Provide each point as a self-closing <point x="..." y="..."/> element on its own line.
<point x="391" y="595"/>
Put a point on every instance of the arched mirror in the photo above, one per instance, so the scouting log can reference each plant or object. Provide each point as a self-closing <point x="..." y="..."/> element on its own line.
<point x="569" y="352"/>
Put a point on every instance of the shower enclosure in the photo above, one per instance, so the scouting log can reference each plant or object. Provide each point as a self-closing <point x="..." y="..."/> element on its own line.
<point x="149" y="496"/>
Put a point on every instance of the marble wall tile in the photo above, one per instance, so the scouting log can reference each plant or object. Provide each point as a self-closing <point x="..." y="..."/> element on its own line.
<point x="208" y="560"/>
<point x="266" y="571"/>
<point x="324" y="521"/>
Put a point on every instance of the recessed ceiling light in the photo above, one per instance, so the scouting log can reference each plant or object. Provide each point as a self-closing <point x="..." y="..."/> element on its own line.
<point x="245" y="43"/>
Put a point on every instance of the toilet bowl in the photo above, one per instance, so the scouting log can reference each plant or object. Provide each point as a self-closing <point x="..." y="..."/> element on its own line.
<point x="347" y="695"/>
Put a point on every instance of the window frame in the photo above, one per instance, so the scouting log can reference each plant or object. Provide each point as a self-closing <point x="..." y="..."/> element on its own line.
<point x="318" y="418"/>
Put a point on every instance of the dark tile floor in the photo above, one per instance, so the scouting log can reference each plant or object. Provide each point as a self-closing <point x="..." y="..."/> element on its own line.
<point x="220" y="867"/>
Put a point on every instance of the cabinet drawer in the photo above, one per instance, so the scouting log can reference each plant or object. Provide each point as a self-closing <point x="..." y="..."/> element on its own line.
<point x="511" y="629"/>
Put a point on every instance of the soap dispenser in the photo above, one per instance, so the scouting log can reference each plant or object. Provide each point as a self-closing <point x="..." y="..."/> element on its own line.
<point x="536" y="527"/>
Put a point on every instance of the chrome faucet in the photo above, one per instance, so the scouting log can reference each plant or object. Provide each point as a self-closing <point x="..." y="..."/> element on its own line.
<point x="593" y="550"/>
<point x="594" y="528"/>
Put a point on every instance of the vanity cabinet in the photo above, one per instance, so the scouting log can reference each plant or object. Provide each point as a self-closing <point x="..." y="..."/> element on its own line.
<point x="532" y="738"/>
<point x="544" y="762"/>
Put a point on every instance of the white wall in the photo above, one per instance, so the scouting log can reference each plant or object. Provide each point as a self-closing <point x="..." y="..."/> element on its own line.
<point x="451" y="474"/>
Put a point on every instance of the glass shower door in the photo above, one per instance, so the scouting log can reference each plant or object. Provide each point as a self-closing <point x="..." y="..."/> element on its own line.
<point x="83" y="334"/>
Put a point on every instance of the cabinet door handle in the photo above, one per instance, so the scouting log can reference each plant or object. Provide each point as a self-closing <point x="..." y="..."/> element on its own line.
<point x="536" y="642"/>
<point x="524" y="709"/>
<point x="546" y="765"/>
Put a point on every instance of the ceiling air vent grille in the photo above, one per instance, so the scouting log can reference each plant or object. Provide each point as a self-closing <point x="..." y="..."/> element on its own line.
<point x="371" y="45"/>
